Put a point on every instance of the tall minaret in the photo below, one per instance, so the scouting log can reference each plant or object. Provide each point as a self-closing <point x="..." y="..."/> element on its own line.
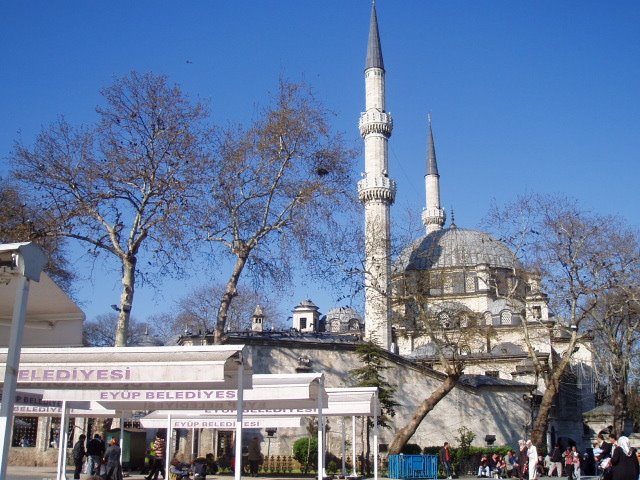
<point x="433" y="216"/>
<point x="376" y="192"/>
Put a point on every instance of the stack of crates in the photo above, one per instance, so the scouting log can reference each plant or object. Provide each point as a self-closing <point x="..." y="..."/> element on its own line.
<point x="413" y="466"/>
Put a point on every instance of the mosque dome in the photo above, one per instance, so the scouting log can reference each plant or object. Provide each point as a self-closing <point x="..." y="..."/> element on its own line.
<point x="455" y="248"/>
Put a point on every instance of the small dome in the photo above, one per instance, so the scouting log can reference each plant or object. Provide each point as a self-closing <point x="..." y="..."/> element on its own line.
<point x="306" y="305"/>
<point x="148" y="340"/>
<point x="455" y="247"/>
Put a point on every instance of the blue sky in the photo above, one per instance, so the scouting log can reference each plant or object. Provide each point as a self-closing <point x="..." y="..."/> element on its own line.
<point x="525" y="96"/>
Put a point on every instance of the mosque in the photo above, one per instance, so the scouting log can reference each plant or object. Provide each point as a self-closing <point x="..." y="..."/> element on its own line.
<point x="464" y="280"/>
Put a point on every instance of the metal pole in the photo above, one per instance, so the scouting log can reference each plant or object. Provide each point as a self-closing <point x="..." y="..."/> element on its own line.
<point x="320" y="433"/>
<point x="11" y="371"/>
<point x="353" y="444"/>
<point x="122" y="439"/>
<point x="167" y="446"/>
<point x="239" y="412"/>
<point x="344" y="449"/>
<point x="375" y="439"/>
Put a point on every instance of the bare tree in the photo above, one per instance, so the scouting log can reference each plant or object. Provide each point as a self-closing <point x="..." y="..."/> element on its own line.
<point x="278" y="191"/>
<point x="101" y="332"/>
<point x="198" y="310"/>
<point x="123" y="185"/>
<point x="22" y="222"/>
<point x="451" y="330"/>
<point x="578" y="256"/>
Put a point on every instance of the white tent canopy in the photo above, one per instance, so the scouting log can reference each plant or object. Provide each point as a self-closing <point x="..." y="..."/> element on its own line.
<point x="302" y="390"/>
<point x="52" y="318"/>
<point x="129" y="368"/>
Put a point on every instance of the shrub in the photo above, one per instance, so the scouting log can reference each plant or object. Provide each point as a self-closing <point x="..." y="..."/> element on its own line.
<point x="305" y="451"/>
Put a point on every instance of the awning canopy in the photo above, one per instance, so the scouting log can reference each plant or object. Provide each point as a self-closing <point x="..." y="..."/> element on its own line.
<point x="301" y="390"/>
<point x="52" y="318"/>
<point x="130" y="368"/>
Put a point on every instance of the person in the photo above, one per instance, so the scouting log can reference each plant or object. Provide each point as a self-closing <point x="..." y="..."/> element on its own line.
<point x="159" y="447"/>
<point x="532" y="455"/>
<point x="604" y="457"/>
<point x="556" y="461"/>
<point x="624" y="461"/>
<point x="497" y="465"/>
<point x="199" y="468"/>
<point x="149" y="458"/>
<point x="112" y="460"/>
<point x="78" y="454"/>
<point x="445" y="459"/>
<point x="254" y="456"/>
<point x="483" y="468"/>
<point x="523" y="459"/>
<point x="212" y="466"/>
<point x="95" y="451"/>
<point x="575" y="454"/>
<point x="178" y="470"/>
<point x="568" y="463"/>
<point x="511" y="462"/>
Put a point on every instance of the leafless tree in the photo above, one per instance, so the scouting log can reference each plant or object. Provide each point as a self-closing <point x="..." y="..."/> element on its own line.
<point x="22" y="222"/>
<point x="451" y="330"/>
<point x="278" y="191"/>
<point x="123" y="185"/>
<point x="580" y="257"/>
<point x="101" y="331"/>
<point x="197" y="311"/>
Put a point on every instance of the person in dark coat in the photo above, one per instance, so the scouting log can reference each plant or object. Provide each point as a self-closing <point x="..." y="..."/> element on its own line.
<point x="445" y="459"/>
<point x="112" y="460"/>
<point x="523" y="459"/>
<point x="79" y="452"/>
<point x="95" y="452"/>
<point x="624" y="461"/>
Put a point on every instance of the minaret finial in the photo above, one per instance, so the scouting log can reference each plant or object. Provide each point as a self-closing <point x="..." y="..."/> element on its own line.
<point x="432" y="164"/>
<point x="374" y="49"/>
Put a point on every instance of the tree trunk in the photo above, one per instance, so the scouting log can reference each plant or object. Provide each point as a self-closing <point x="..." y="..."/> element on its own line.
<point x="552" y="386"/>
<point x="231" y="291"/>
<point x="619" y="402"/>
<point x="126" y="300"/>
<point x="406" y="432"/>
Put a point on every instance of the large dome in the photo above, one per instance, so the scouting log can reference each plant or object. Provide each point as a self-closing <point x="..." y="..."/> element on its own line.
<point x="455" y="247"/>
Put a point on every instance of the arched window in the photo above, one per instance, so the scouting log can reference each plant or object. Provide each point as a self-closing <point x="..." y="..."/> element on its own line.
<point x="445" y="320"/>
<point x="506" y="317"/>
<point x="488" y="319"/>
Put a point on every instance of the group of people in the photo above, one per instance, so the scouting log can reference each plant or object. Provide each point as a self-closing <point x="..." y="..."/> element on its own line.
<point x="523" y="464"/>
<point x="612" y="459"/>
<point x="101" y="460"/>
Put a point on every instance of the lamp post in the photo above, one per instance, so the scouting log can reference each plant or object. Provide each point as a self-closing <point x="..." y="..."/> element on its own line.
<point x="271" y="432"/>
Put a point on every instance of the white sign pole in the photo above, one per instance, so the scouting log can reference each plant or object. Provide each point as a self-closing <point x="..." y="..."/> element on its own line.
<point x="375" y="438"/>
<point x="11" y="371"/>
<point x="344" y="449"/>
<point x="320" y="435"/>
<point x="168" y="440"/>
<point x="122" y="438"/>
<point x="353" y="444"/>
<point x="239" y="411"/>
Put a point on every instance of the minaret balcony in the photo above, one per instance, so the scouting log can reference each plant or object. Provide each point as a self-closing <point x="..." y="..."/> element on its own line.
<point x="375" y="121"/>
<point x="377" y="188"/>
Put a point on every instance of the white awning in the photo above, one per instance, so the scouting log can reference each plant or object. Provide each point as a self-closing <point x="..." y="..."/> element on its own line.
<point x="52" y="318"/>
<point x="127" y="368"/>
<point x="158" y="419"/>
<point x="301" y="390"/>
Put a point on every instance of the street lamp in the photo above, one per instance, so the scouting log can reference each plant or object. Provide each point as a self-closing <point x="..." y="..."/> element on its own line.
<point x="23" y="262"/>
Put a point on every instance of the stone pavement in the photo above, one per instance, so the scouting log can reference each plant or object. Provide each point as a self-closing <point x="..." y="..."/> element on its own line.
<point x="49" y="473"/>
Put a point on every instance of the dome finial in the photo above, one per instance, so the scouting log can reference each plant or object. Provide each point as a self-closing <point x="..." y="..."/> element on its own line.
<point x="453" y="219"/>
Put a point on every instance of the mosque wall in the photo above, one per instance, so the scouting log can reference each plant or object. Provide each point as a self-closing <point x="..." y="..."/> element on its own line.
<point x="485" y="411"/>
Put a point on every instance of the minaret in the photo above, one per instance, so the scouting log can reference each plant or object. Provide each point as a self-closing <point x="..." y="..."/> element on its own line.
<point x="433" y="216"/>
<point x="376" y="192"/>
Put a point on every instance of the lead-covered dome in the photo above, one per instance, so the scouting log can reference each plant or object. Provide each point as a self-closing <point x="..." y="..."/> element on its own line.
<point x="454" y="248"/>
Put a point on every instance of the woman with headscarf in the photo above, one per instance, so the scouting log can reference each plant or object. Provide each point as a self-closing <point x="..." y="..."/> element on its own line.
<point x="624" y="461"/>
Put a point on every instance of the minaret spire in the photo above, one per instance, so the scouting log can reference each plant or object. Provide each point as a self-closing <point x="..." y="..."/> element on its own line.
<point x="433" y="215"/>
<point x="377" y="192"/>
